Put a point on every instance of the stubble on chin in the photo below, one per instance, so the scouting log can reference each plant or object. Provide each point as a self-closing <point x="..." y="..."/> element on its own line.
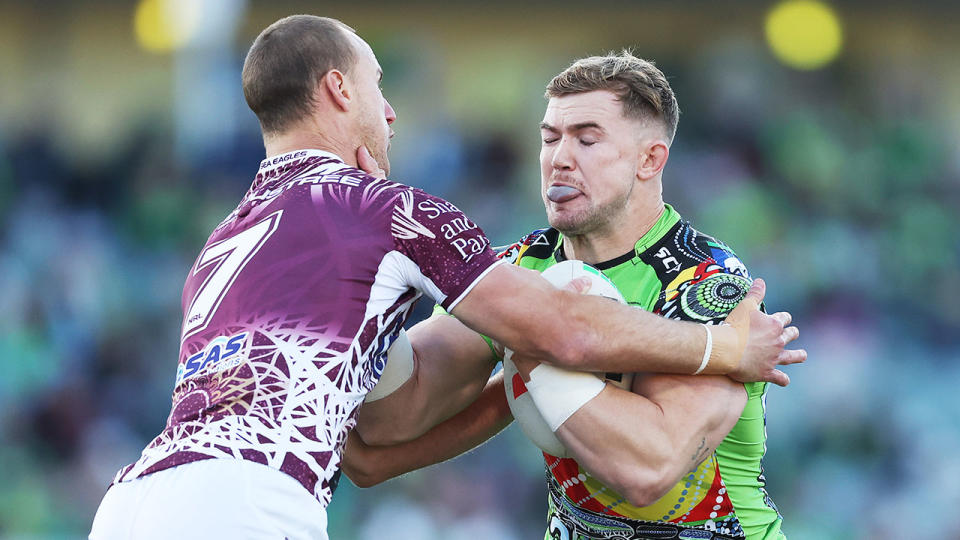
<point x="382" y="160"/>
<point x="377" y="151"/>
<point x="580" y="221"/>
<point x="567" y="223"/>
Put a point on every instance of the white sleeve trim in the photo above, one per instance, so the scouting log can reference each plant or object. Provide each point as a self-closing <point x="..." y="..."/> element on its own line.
<point x="474" y="284"/>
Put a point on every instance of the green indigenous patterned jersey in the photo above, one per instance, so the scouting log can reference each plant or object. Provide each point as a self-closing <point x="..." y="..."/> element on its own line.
<point x="679" y="273"/>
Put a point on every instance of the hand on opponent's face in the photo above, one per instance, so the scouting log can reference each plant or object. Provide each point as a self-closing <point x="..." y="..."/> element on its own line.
<point x="367" y="164"/>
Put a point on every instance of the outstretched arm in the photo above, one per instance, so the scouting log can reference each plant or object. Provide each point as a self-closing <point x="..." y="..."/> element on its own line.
<point x="367" y="465"/>
<point x="523" y="311"/>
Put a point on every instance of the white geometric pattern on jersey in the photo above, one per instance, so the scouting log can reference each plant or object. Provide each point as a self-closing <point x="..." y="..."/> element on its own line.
<point x="284" y="341"/>
<point x="404" y="226"/>
<point x="373" y="190"/>
<point x="395" y="276"/>
<point x="260" y="426"/>
<point x="309" y="398"/>
<point x="323" y="169"/>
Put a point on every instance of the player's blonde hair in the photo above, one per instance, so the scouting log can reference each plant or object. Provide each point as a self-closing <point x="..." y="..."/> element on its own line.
<point x="638" y="84"/>
<point x="287" y="61"/>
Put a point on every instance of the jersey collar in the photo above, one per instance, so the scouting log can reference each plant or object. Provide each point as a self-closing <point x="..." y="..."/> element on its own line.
<point x="667" y="220"/>
<point x="271" y="164"/>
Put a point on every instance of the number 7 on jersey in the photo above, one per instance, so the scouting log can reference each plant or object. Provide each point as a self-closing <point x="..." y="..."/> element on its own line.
<point x="230" y="256"/>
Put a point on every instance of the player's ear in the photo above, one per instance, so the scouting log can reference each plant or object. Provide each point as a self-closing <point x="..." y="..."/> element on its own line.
<point x="653" y="158"/>
<point x="334" y="85"/>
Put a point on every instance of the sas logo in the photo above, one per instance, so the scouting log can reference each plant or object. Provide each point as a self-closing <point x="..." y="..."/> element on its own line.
<point x="220" y="354"/>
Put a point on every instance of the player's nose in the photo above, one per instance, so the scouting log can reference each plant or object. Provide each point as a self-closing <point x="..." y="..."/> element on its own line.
<point x="562" y="158"/>
<point x="388" y="112"/>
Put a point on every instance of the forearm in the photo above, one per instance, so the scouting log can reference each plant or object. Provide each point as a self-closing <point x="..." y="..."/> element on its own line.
<point x="629" y="340"/>
<point x="369" y="465"/>
<point x="525" y="313"/>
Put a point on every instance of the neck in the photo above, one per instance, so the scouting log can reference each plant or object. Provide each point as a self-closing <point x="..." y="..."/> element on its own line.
<point x="304" y="138"/>
<point x="618" y="238"/>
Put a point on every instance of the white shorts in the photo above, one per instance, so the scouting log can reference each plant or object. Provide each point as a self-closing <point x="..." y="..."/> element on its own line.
<point x="213" y="498"/>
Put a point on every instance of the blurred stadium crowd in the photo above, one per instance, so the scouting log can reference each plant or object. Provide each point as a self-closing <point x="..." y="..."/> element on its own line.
<point x="840" y="186"/>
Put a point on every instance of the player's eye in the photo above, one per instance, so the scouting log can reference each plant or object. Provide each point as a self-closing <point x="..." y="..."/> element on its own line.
<point x="587" y="142"/>
<point x="550" y="140"/>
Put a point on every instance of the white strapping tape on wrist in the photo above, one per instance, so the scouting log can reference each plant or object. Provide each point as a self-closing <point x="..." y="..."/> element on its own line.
<point x="706" y="351"/>
<point x="558" y="393"/>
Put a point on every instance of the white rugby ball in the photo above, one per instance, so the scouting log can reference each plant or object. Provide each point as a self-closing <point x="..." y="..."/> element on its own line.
<point x="398" y="369"/>
<point x="521" y="403"/>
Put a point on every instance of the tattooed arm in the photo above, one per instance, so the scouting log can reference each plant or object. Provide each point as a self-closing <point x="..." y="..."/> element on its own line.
<point x="640" y="443"/>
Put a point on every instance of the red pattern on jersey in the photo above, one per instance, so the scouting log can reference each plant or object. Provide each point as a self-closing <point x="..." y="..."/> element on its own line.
<point x="716" y="496"/>
<point x="565" y="469"/>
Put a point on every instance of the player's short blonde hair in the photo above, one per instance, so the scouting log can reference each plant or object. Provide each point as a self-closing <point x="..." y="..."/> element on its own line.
<point x="638" y="84"/>
<point x="286" y="63"/>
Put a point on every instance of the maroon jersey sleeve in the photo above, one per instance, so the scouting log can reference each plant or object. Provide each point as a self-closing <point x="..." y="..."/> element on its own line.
<point x="448" y="251"/>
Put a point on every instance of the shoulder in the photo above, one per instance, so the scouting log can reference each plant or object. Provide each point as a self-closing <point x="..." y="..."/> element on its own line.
<point x="405" y="203"/>
<point x="339" y="185"/>
<point x="427" y="227"/>
<point x="427" y="205"/>
<point x="717" y="251"/>
<point x="414" y="213"/>
<point x="702" y="277"/>
<point x="683" y="247"/>
<point x="539" y="244"/>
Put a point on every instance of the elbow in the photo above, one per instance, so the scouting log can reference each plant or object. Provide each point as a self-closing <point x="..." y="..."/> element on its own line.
<point x="359" y="479"/>
<point x="651" y="477"/>
<point x="645" y="486"/>
<point x="362" y="464"/>
<point x="362" y="480"/>
<point x="361" y="470"/>
<point x="371" y="433"/>
<point x="644" y="480"/>
<point x="385" y="422"/>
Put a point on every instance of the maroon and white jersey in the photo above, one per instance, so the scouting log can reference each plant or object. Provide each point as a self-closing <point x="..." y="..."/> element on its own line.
<point x="291" y="306"/>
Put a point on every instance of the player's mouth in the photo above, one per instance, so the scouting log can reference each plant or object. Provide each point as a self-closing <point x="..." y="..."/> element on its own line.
<point x="561" y="193"/>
